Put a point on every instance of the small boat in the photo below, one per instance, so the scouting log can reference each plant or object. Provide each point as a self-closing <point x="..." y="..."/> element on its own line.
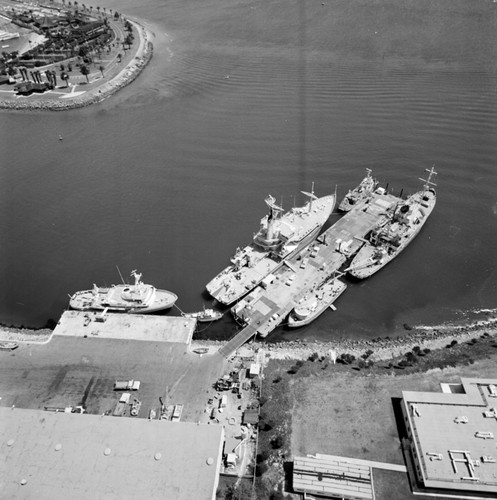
<point x="359" y="194"/>
<point x="134" y="299"/>
<point x="312" y="306"/>
<point x="8" y="346"/>
<point x="385" y="242"/>
<point x="206" y="315"/>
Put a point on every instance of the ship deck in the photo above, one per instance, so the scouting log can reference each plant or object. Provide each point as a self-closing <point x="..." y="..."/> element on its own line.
<point x="263" y="309"/>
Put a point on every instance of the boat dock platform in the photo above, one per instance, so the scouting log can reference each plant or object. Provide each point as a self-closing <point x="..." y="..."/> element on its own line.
<point x="268" y="304"/>
<point x="122" y="326"/>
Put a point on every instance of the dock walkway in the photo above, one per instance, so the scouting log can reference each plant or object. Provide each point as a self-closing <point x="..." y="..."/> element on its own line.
<point x="267" y="306"/>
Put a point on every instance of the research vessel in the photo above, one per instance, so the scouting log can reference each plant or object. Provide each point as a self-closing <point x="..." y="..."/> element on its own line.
<point x="280" y="236"/>
<point x="138" y="298"/>
<point x="386" y="241"/>
<point x="359" y="194"/>
<point x="315" y="303"/>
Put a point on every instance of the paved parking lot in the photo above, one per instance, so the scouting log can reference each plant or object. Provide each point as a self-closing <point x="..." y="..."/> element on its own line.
<point x="81" y="371"/>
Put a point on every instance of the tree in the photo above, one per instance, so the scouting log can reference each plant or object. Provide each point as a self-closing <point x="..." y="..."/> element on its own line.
<point x="85" y="71"/>
<point x="64" y="76"/>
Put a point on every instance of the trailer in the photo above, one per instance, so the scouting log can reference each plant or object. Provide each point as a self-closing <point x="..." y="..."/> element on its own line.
<point x="178" y="410"/>
<point x="127" y="385"/>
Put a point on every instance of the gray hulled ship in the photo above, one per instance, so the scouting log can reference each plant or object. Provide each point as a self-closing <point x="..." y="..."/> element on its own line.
<point x="359" y="194"/>
<point x="280" y="236"/>
<point x="385" y="242"/>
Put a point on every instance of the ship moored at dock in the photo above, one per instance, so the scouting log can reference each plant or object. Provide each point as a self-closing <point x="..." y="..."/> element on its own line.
<point x="359" y="194"/>
<point x="385" y="242"/>
<point x="204" y="316"/>
<point x="315" y="303"/>
<point x="280" y="236"/>
<point x="138" y="298"/>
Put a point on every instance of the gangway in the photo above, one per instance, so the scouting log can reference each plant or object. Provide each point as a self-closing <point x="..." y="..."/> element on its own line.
<point x="237" y="341"/>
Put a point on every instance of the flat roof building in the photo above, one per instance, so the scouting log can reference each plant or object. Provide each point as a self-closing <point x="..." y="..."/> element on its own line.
<point x="331" y="476"/>
<point x="66" y="455"/>
<point x="452" y="438"/>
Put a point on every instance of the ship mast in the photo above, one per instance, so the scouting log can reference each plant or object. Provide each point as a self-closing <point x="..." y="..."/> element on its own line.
<point x="428" y="182"/>
<point x="274" y="211"/>
<point x="311" y="195"/>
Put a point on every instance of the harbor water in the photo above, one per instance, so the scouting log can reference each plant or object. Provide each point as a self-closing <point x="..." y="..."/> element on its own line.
<point x="248" y="98"/>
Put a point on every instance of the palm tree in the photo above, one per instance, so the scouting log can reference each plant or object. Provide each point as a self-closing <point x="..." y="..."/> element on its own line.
<point x="64" y="76"/>
<point x="85" y="71"/>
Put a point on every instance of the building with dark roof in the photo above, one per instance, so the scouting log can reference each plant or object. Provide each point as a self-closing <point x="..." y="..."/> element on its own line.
<point x="451" y="439"/>
<point x="67" y="455"/>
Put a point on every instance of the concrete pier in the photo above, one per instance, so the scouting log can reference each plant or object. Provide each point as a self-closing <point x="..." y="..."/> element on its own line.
<point x="267" y="305"/>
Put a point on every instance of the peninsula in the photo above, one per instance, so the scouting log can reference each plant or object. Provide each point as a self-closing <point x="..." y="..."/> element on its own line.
<point x="63" y="56"/>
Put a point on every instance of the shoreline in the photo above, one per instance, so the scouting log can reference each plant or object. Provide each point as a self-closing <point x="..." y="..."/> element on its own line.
<point x="383" y="348"/>
<point x="99" y="92"/>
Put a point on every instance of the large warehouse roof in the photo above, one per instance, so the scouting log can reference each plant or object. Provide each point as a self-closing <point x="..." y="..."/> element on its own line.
<point x="65" y="455"/>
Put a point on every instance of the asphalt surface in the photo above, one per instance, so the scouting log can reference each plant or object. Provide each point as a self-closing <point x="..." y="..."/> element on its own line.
<point x="72" y="371"/>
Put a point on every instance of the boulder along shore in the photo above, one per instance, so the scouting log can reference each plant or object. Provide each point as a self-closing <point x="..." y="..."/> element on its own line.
<point x="100" y="92"/>
<point x="383" y="348"/>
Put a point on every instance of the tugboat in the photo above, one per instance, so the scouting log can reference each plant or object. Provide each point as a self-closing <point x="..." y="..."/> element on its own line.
<point x="281" y="235"/>
<point x="384" y="243"/>
<point x="313" y="305"/>
<point x="135" y="299"/>
<point x="207" y="315"/>
<point x="359" y="194"/>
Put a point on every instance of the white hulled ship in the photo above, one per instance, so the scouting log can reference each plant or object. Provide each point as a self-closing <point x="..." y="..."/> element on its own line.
<point x="280" y="236"/>
<point x="315" y="303"/>
<point x="138" y="298"/>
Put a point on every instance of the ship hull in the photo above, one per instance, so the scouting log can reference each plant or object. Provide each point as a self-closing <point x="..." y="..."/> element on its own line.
<point x="330" y="292"/>
<point x="85" y="301"/>
<point x="366" y="262"/>
<point x="358" y="195"/>
<point x="234" y="283"/>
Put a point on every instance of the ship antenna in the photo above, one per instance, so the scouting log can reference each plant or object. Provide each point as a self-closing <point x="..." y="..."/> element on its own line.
<point x="122" y="279"/>
<point x="428" y="182"/>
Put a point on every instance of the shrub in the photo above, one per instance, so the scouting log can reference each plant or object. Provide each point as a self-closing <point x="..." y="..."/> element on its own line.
<point x="346" y="358"/>
<point x="260" y="469"/>
<point x="313" y="357"/>
<point x="276" y="442"/>
<point x="367" y="354"/>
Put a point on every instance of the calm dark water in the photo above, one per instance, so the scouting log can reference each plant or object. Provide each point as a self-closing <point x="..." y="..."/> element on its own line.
<point x="248" y="98"/>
